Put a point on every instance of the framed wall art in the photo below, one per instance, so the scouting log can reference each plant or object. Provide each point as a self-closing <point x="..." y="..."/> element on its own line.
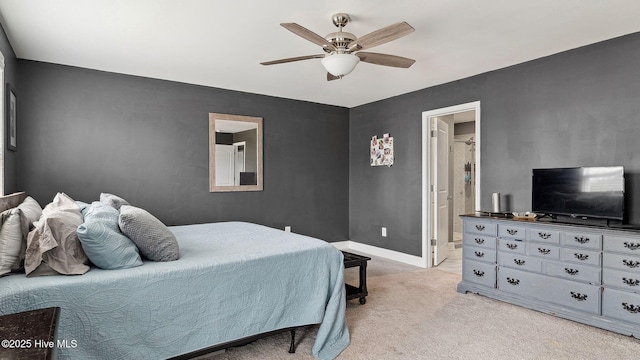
<point x="381" y="151"/>
<point x="11" y="119"/>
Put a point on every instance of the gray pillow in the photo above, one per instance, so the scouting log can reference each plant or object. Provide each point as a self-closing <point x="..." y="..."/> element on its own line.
<point x="103" y="242"/>
<point x="53" y="246"/>
<point x="154" y="240"/>
<point x="16" y="224"/>
<point x="30" y="212"/>
<point x="113" y="200"/>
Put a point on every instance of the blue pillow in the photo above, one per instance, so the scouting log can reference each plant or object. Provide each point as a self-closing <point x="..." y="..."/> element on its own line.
<point x="103" y="242"/>
<point x="82" y="205"/>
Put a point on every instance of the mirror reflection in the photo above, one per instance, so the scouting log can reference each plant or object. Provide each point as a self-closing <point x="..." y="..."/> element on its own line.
<point x="235" y="146"/>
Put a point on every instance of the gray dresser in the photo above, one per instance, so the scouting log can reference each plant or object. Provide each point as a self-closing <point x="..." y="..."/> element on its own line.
<point x="588" y="274"/>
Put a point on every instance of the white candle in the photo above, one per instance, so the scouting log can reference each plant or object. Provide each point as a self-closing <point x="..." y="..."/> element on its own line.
<point x="495" y="202"/>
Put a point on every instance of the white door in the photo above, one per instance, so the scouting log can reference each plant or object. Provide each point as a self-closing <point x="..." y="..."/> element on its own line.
<point x="440" y="166"/>
<point x="239" y="160"/>
<point x="224" y="165"/>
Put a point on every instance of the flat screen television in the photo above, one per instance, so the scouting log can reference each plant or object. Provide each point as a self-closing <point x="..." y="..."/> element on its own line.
<point x="581" y="192"/>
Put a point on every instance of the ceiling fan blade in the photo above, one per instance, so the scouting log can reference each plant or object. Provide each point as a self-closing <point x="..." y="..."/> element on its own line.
<point x="309" y="35"/>
<point x="332" y="77"/>
<point x="385" y="59"/>
<point x="382" y="36"/>
<point x="297" y="58"/>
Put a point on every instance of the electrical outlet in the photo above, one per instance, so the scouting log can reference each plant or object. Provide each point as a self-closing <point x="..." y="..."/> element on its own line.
<point x="384" y="231"/>
<point x="287" y="228"/>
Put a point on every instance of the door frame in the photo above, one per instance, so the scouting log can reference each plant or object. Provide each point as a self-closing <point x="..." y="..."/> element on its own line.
<point x="427" y="218"/>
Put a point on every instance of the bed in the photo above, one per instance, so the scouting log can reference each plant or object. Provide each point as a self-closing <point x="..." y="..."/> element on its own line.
<point x="233" y="280"/>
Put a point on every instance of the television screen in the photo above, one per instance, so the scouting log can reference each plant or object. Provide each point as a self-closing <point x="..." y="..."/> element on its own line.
<point x="592" y="192"/>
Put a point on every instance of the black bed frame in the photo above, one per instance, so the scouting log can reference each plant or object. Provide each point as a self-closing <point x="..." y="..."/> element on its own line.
<point x="239" y="342"/>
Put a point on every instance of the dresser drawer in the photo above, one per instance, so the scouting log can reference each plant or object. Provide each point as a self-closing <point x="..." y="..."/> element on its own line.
<point x="621" y="279"/>
<point x="479" y="273"/>
<point x="487" y="242"/>
<point x="627" y="263"/>
<point x="583" y="240"/>
<point x="513" y="246"/>
<point x="479" y="254"/>
<point x="480" y="227"/>
<point x="549" y="252"/>
<point x="512" y="232"/>
<point x="579" y="296"/>
<point x="519" y="282"/>
<point x="583" y="297"/>
<point x="622" y="244"/>
<point x="519" y="261"/>
<point x="581" y="256"/>
<point x="583" y="273"/>
<point x="544" y="235"/>
<point x="621" y="305"/>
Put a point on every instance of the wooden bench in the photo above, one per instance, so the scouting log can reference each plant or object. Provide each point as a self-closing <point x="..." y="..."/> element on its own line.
<point x="360" y="291"/>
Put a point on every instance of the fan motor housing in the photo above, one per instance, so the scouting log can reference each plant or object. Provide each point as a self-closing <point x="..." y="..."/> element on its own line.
<point x="340" y="39"/>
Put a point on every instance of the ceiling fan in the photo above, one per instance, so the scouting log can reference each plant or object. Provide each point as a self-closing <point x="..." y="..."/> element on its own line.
<point x="343" y="49"/>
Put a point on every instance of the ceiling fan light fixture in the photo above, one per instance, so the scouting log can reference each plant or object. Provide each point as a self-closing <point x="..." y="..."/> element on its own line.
<point x="340" y="64"/>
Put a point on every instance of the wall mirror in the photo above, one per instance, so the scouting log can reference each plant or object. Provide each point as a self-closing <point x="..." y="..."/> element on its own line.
<point x="235" y="153"/>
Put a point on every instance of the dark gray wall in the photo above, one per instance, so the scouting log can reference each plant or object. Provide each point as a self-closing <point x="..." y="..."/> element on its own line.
<point x="577" y="108"/>
<point x="146" y="140"/>
<point x="10" y="77"/>
<point x="84" y="132"/>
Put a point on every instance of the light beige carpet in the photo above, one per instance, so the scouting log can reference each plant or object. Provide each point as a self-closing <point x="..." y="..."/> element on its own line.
<point x="417" y="314"/>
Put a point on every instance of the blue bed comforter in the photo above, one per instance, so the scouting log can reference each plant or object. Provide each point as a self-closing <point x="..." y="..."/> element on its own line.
<point x="232" y="280"/>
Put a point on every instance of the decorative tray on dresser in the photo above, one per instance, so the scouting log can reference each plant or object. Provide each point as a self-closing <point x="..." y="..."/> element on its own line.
<point x="589" y="274"/>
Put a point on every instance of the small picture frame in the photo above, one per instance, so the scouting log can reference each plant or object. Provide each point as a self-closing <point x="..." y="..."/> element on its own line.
<point x="381" y="151"/>
<point x="12" y="119"/>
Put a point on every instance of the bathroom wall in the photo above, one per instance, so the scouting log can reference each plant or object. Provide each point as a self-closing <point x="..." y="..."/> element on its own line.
<point x="463" y="190"/>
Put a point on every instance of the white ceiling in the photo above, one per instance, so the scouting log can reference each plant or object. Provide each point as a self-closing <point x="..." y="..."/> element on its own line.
<point x="233" y="126"/>
<point x="220" y="43"/>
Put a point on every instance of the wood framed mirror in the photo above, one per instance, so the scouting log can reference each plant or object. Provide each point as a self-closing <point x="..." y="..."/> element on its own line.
<point x="235" y="153"/>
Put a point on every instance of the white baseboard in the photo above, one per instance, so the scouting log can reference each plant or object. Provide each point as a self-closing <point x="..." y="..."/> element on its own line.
<point x="383" y="253"/>
<point x="341" y="245"/>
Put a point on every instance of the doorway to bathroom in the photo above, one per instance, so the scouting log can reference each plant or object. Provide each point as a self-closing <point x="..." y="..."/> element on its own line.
<point x="464" y="172"/>
<point x="451" y="180"/>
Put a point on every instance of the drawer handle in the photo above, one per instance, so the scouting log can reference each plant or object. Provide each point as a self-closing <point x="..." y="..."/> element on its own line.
<point x="512" y="231"/>
<point x="581" y="239"/>
<point x="513" y="282"/>
<point x="631" y="246"/>
<point x="544" y="235"/>
<point x="571" y="272"/>
<point x="511" y="246"/>
<point x="631" y="282"/>
<point x="519" y="262"/>
<point x="479" y="254"/>
<point x="578" y="296"/>
<point x="479" y="240"/>
<point x="631" y="308"/>
<point x="631" y="263"/>
<point x="478" y="273"/>
<point x="544" y="251"/>
<point x="479" y="227"/>
<point x="581" y="257"/>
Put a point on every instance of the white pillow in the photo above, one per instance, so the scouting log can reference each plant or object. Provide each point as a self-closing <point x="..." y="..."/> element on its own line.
<point x="16" y="224"/>
<point x="10" y="241"/>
